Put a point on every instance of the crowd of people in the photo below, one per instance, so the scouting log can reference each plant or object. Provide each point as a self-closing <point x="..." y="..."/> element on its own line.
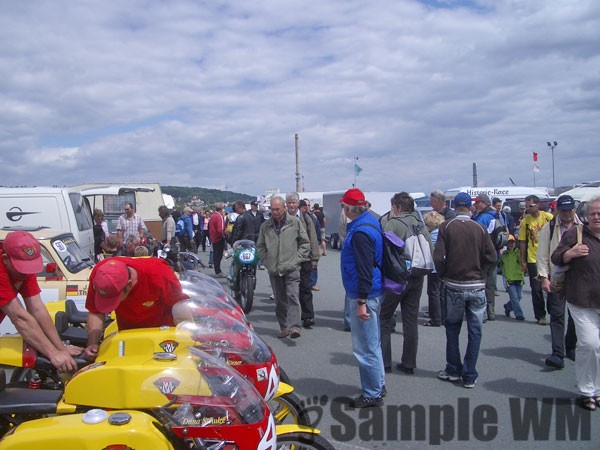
<point x="558" y="253"/>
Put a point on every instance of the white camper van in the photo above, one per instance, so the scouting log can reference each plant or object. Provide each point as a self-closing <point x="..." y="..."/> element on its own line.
<point x="582" y="195"/>
<point x="110" y="198"/>
<point x="58" y="208"/>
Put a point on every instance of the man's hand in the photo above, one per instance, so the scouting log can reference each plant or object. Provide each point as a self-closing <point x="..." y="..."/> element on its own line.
<point x="73" y="350"/>
<point x="90" y="352"/>
<point x="361" y="312"/>
<point x="577" y="251"/>
<point x="546" y="285"/>
<point x="63" y="361"/>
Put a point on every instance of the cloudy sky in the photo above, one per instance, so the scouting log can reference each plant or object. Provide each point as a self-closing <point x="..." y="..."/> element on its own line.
<point x="211" y="93"/>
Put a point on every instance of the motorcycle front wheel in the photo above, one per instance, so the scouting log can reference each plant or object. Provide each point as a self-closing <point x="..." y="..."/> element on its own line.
<point x="246" y="291"/>
<point x="303" y="441"/>
<point x="289" y="409"/>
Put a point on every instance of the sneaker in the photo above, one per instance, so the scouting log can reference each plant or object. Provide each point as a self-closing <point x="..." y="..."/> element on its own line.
<point x="315" y="288"/>
<point x="443" y="375"/>
<point x="261" y="267"/>
<point x="363" y="402"/>
<point x="295" y="333"/>
<point x="470" y="384"/>
<point x="542" y="321"/>
<point x="555" y="361"/>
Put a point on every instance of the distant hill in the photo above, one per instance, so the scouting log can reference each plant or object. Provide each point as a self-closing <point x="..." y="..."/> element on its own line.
<point x="189" y="195"/>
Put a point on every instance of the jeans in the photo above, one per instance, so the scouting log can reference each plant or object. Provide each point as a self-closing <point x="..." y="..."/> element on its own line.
<point x="556" y="309"/>
<point x="347" y="314"/>
<point x="515" y="290"/>
<point x="458" y="302"/>
<point x="409" y="306"/>
<point x="287" y="304"/>
<point x="366" y="346"/>
<point x="433" y="296"/>
<point x="587" y="364"/>
<point x="314" y="277"/>
<point x="537" y="295"/>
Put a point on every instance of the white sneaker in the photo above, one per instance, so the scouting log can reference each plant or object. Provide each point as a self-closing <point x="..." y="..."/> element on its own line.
<point x="443" y="375"/>
<point x="471" y="385"/>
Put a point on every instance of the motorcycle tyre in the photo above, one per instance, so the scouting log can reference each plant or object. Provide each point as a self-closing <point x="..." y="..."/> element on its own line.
<point x="303" y="441"/>
<point x="246" y="292"/>
<point x="289" y="407"/>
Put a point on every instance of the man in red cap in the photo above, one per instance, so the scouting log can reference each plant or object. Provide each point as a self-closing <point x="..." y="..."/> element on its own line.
<point x="21" y="260"/>
<point x="361" y="260"/>
<point x="141" y="292"/>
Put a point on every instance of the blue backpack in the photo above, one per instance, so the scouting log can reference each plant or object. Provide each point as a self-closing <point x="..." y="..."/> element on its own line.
<point x="179" y="228"/>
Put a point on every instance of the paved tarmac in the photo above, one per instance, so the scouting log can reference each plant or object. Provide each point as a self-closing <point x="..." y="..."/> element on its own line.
<point x="518" y="401"/>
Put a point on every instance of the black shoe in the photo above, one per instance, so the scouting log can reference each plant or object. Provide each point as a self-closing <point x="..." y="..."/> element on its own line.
<point x="387" y="369"/>
<point x="383" y="392"/>
<point x="506" y="311"/>
<point x="405" y="370"/>
<point x="308" y="323"/>
<point x="363" y="402"/>
<point x="347" y="329"/>
<point x="520" y="318"/>
<point x="555" y="361"/>
<point x="570" y="354"/>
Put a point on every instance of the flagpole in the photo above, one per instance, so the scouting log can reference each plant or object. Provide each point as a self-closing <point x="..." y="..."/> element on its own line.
<point x="354" y="168"/>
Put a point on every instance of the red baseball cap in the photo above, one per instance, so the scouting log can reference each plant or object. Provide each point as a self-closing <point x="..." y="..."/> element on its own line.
<point x="24" y="252"/>
<point x="354" y="197"/>
<point x="110" y="279"/>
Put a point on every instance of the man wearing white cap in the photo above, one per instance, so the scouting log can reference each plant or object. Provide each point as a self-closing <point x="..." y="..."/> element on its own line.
<point x="21" y="260"/>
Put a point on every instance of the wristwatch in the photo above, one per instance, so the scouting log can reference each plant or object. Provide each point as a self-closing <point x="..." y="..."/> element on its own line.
<point x="362" y="302"/>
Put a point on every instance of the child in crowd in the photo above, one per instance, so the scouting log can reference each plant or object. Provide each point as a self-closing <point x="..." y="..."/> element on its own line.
<point x="510" y="262"/>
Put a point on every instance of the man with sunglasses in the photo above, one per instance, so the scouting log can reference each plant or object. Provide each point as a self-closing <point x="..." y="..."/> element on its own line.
<point x="141" y="292"/>
<point x="529" y="232"/>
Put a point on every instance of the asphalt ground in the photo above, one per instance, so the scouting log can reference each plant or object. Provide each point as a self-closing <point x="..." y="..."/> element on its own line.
<point x="518" y="400"/>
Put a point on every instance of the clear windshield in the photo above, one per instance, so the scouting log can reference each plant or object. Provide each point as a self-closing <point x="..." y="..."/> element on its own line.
<point x="226" y="338"/>
<point x="68" y="250"/>
<point x="242" y="244"/>
<point x="206" y="392"/>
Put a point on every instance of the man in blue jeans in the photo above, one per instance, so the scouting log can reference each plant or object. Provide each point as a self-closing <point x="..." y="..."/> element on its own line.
<point x="463" y="253"/>
<point x="360" y="262"/>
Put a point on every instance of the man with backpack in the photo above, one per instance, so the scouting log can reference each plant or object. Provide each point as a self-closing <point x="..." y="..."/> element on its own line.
<point x="404" y="222"/>
<point x="462" y="254"/>
<point x="550" y="236"/>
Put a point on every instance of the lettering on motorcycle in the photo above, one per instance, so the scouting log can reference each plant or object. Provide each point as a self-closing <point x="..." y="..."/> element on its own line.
<point x="169" y="346"/>
<point x="167" y="385"/>
<point x="205" y="421"/>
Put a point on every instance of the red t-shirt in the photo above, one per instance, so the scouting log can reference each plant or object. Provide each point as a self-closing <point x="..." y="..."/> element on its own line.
<point x="149" y="302"/>
<point x="9" y="288"/>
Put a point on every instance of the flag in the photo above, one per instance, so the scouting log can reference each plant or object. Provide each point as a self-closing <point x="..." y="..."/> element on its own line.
<point x="536" y="168"/>
<point x="357" y="169"/>
<point x="534" y="156"/>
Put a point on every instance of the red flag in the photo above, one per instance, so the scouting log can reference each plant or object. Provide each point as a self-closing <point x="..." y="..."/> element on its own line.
<point x="534" y="156"/>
